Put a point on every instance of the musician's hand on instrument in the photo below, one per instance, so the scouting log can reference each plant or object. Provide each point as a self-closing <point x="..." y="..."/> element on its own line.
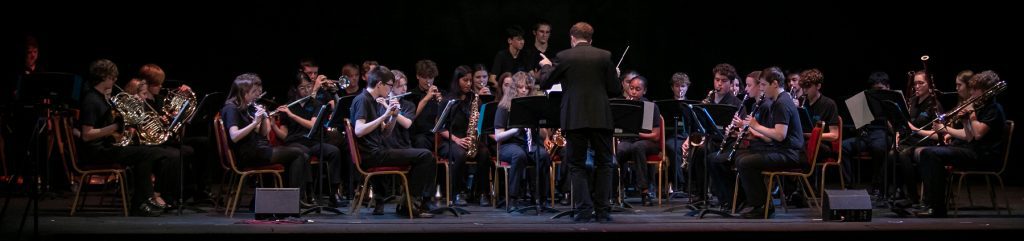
<point x="284" y="109"/>
<point x="393" y="109"/>
<point x="485" y="91"/>
<point x="939" y="127"/>
<point x="318" y="82"/>
<point x="465" y="142"/>
<point x="752" y="122"/>
<point x="544" y="60"/>
<point x="947" y="139"/>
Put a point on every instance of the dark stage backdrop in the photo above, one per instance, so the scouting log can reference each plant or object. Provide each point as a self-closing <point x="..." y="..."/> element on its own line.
<point x="206" y="46"/>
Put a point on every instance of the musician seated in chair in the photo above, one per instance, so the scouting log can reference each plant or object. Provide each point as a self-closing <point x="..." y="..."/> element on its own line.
<point x="721" y="171"/>
<point x="514" y="142"/>
<point x="99" y="131"/>
<point x="923" y="107"/>
<point x="635" y="149"/>
<point x="397" y="132"/>
<point x="248" y="125"/>
<point x="456" y="143"/>
<point x="368" y="120"/>
<point x="873" y="139"/>
<point x="298" y="119"/>
<point x="776" y="144"/>
<point x="983" y="122"/>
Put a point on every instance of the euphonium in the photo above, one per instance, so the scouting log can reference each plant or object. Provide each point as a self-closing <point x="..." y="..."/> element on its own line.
<point x="474" y="116"/>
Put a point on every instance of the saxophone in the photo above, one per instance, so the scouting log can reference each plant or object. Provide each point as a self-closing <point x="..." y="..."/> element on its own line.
<point x="555" y="143"/>
<point x="474" y="116"/>
<point x="707" y="100"/>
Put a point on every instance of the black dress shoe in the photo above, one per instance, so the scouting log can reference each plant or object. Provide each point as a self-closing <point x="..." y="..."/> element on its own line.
<point x="603" y="217"/>
<point x="646" y="199"/>
<point x="378" y="207"/>
<point x="758" y="213"/>
<point x="583" y="217"/>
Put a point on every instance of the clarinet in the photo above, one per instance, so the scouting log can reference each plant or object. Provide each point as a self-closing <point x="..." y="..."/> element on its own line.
<point x="743" y="130"/>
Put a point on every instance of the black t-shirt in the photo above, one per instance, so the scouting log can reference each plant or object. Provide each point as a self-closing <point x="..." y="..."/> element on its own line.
<point x="297" y="132"/>
<point x="400" y="135"/>
<point x="424" y="122"/>
<point x="501" y="116"/>
<point x="504" y="62"/>
<point x="729" y="99"/>
<point x="365" y="107"/>
<point x="252" y="148"/>
<point x="824" y="109"/>
<point x="459" y="121"/>
<point x="535" y="54"/>
<point x="923" y="112"/>
<point x="992" y="144"/>
<point x="783" y="111"/>
<point x="96" y="112"/>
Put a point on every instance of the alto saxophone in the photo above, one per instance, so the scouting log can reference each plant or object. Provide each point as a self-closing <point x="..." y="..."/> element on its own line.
<point x="474" y="116"/>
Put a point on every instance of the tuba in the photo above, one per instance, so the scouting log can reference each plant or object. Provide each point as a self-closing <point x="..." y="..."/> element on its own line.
<point x="474" y="116"/>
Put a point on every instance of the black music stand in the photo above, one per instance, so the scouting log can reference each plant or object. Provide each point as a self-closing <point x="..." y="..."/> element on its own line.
<point x="709" y="116"/>
<point x="486" y="124"/>
<point x="180" y="118"/>
<point x="628" y="116"/>
<point x="342" y="111"/>
<point x="683" y="119"/>
<point x="532" y="112"/>
<point x="315" y="130"/>
<point x="443" y="122"/>
<point x="896" y="112"/>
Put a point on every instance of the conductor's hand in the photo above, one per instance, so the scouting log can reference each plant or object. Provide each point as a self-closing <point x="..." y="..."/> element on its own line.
<point x="544" y="60"/>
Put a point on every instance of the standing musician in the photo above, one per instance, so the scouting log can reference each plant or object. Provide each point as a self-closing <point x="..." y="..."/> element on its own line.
<point x="636" y="149"/>
<point x="463" y="90"/>
<point x="367" y="121"/>
<point x="923" y="107"/>
<point x="298" y="119"/>
<point x="515" y="143"/>
<point x="777" y="140"/>
<point x="99" y="129"/>
<point x="248" y="125"/>
<point x="983" y="133"/>
<point x="587" y="75"/>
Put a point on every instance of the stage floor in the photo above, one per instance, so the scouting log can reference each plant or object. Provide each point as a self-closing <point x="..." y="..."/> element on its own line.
<point x="796" y="224"/>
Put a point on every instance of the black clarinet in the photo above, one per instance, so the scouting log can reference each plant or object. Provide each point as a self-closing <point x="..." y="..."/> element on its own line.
<point x="743" y="130"/>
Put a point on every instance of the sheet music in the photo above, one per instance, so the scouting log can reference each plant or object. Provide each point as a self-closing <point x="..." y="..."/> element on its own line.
<point x="859" y="110"/>
<point x="648" y="123"/>
<point x="555" y="88"/>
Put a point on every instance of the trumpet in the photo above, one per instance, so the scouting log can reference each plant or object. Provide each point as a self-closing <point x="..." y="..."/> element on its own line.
<point x="333" y="86"/>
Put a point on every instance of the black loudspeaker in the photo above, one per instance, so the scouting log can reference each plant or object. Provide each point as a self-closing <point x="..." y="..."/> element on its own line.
<point x="276" y="203"/>
<point x="846" y="206"/>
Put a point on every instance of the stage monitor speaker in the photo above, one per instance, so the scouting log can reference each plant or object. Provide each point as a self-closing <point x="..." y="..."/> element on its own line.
<point x="846" y="206"/>
<point x="276" y="203"/>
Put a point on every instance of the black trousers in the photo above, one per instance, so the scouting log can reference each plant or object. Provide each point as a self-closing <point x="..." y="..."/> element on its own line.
<point x="932" y="167"/>
<point x="144" y="161"/>
<point x="331" y="155"/>
<point x="518" y="158"/>
<point x="875" y="141"/>
<point x="577" y="142"/>
<point x="460" y="171"/>
<point x="421" y="172"/>
<point x="635" y="152"/>
<point x="673" y="149"/>
<point x="721" y="173"/>
<point x="750" y="163"/>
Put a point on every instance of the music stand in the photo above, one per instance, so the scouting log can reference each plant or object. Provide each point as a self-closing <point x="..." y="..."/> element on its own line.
<point x="444" y="120"/>
<point x="681" y="114"/>
<point x="180" y="118"/>
<point x="628" y="116"/>
<point x="709" y="117"/>
<point x="486" y="124"/>
<point x="532" y="112"/>
<point x="315" y="130"/>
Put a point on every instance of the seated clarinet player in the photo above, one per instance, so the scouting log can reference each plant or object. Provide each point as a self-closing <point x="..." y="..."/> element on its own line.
<point x="776" y="142"/>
